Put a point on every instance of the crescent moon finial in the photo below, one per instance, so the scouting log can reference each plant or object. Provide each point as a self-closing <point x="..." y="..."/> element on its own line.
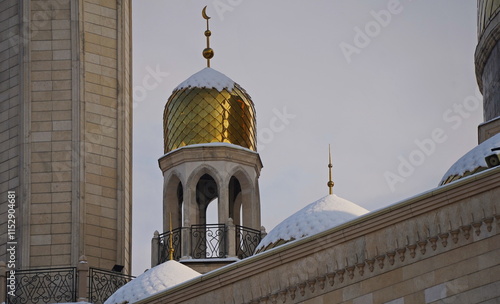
<point x="208" y="53"/>
<point x="204" y="13"/>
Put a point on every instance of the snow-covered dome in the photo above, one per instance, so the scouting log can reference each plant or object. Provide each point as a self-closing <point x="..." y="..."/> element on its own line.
<point x="472" y="162"/>
<point x="209" y="107"/>
<point x="323" y="214"/>
<point x="154" y="280"/>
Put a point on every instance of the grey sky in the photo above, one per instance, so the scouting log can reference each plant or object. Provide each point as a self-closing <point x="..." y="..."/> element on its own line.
<point x="408" y="76"/>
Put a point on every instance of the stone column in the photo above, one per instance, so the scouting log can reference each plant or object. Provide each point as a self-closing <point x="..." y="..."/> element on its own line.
<point x="231" y="239"/>
<point x="83" y="274"/>
<point x="190" y="216"/>
<point x="223" y="207"/>
<point x="155" y="247"/>
<point x="185" y="243"/>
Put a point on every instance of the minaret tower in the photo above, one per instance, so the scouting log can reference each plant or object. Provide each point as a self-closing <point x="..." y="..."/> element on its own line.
<point x="66" y="132"/>
<point x="210" y="157"/>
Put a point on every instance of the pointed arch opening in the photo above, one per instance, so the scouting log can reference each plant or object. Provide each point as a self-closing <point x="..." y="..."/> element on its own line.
<point x="245" y="211"/>
<point x="173" y="203"/>
<point x="208" y="236"/>
<point x="235" y="200"/>
<point x="172" y="218"/>
<point x="207" y="193"/>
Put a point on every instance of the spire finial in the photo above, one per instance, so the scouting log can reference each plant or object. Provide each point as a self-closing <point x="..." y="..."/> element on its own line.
<point x="330" y="182"/>
<point x="170" y="242"/>
<point x="208" y="53"/>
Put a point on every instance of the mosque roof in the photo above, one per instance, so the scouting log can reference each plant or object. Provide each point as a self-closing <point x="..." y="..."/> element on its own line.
<point x="323" y="214"/>
<point x="156" y="279"/>
<point x="472" y="162"/>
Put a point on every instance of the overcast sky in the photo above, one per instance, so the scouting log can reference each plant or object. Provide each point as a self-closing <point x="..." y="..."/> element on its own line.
<point x="389" y="84"/>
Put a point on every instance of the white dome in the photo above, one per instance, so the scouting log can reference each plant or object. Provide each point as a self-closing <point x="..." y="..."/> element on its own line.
<point x="472" y="162"/>
<point x="156" y="279"/>
<point x="323" y="214"/>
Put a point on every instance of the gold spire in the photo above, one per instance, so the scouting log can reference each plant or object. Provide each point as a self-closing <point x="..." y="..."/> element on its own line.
<point x="208" y="53"/>
<point x="170" y="243"/>
<point x="330" y="182"/>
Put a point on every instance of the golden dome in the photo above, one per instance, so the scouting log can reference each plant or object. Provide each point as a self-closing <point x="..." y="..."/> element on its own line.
<point x="209" y="107"/>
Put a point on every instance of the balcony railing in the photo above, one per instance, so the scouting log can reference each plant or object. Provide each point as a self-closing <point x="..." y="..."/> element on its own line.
<point x="104" y="283"/>
<point x="210" y="241"/>
<point x="247" y="239"/>
<point x="61" y="284"/>
<point x="39" y="286"/>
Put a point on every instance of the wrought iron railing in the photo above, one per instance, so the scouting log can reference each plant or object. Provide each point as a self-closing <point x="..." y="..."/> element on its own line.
<point x="247" y="240"/>
<point x="164" y="245"/>
<point x="40" y="286"/>
<point x="103" y="283"/>
<point x="208" y="241"/>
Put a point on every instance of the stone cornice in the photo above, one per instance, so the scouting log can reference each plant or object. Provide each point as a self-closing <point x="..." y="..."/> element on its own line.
<point x="210" y="153"/>
<point x="445" y="234"/>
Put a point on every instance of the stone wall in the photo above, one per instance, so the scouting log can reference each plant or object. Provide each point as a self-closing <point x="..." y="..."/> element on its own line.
<point x="69" y="130"/>
<point x="10" y="109"/>
<point x="440" y="246"/>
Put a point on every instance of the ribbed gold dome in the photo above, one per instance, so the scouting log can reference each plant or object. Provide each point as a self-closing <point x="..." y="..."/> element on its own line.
<point x="207" y="108"/>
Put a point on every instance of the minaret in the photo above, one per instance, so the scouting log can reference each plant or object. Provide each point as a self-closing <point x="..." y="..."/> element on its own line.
<point x="210" y="157"/>
<point x="66" y="131"/>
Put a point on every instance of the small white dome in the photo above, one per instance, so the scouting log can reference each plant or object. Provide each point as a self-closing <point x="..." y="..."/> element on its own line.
<point x="472" y="162"/>
<point x="323" y="214"/>
<point x="156" y="279"/>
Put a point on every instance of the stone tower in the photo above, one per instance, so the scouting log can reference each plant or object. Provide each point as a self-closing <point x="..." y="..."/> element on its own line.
<point x="487" y="61"/>
<point x="65" y="130"/>
<point x="210" y="157"/>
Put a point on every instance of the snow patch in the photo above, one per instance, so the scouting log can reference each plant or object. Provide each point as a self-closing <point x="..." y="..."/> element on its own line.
<point x="156" y="279"/>
<point x="228" y="259"/>
<point x="323" y="214"/>
<point x="473" y="159"/>
<point x="213" y="144"/>
<point x="208" y="78"/>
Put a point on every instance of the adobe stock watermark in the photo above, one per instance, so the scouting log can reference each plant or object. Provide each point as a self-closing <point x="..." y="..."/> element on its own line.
<point x="363" y="36"/>
<point x="454" y="118"/>
<point x="277" y="124"/>
<point x="223" y="6"/>
<point x="149" y="82"/>
<point x="11" y="243"/>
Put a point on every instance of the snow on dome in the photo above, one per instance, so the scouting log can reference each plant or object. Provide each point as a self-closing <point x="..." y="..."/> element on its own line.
<point x="472" y="162"/>
<point x="154" y="280"/>
<point x="208" y="78"/>
<point x="212" y="144"/>
<point x="323" y="214"/>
